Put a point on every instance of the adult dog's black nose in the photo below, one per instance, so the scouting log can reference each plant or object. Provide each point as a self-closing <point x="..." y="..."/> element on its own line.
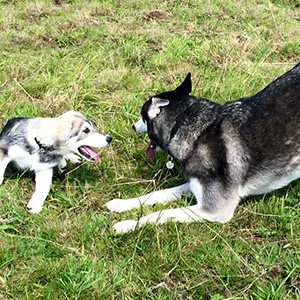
<point x="108" y="139"/>
<point x="133" y="127"/>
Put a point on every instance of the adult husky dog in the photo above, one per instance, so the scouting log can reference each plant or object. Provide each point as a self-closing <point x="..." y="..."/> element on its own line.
<point x="246" y="147"/>
<point x="40" y="144"/>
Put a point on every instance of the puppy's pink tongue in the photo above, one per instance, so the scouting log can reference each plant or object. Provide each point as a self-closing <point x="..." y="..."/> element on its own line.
<point x="96" y="157"/>
<point x="150" y="151"/>
<point x="91" y="153"/>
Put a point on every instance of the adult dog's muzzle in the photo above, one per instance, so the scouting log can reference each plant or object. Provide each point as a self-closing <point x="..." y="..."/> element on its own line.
<point x="140" y="126"/>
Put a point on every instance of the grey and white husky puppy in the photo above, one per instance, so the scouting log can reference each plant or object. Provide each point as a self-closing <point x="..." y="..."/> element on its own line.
<point x="226" y="152"/>
<point x="40" y="144"/>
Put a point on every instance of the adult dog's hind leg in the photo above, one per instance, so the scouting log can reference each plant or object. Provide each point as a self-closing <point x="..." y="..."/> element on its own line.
<point x="43" y="181"/>
<point x="163" y="196"/>
<point x="4" y="161"/>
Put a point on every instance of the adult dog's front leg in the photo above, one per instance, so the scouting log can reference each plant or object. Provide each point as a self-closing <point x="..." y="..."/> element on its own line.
<point x="212" y="205"/>
<point x="184" y="214"/>
<point x="163" y="196"/>
<point x="43" y="180"/>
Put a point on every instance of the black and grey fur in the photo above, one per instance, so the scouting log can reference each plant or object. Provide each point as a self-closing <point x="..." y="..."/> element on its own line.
<point x="246" y="147"/>
<point x="40" y="144"/>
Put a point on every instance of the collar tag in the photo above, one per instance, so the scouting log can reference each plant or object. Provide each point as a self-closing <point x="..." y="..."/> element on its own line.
<point x="170" y="163"/>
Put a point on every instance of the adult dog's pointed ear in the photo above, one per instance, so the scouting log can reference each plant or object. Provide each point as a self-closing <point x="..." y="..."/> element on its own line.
<point x="186" y="87"/>
<point x="157" y="103"/>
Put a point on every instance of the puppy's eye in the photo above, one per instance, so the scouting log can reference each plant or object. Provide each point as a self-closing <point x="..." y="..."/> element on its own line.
<point x="86" y="130"/>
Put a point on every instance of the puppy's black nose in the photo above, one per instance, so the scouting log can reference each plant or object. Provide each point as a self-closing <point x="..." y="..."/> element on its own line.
<point x="133" y="127"/>
<point x="108" y="139"/>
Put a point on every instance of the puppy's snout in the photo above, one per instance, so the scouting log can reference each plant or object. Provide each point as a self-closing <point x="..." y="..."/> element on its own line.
<point x="108" y="139"/>
<point x="133" y="127"/>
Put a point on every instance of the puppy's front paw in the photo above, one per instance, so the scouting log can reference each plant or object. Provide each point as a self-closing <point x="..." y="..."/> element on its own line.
<point x="63" y="172"/>
<point x="125" y="226"/>
<point x="119" y="205"/>
<point x="34" y="206"/>
<point x="73" y="158"/>
<point x="62" y="166"/>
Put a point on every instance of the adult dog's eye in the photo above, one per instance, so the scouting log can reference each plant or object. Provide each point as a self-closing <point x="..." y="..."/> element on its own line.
<point x="86" y="130"/>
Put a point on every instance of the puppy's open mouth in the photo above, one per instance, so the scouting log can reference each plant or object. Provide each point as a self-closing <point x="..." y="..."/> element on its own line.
<point x="89" y="154"/>
<point x="150" y="151"/>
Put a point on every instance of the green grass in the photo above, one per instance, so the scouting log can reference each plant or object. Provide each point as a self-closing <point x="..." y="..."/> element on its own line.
<point x="104" y="58"/>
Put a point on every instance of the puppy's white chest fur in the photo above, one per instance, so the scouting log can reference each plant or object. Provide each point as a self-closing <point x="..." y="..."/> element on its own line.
<point x="25" y="160"/>
<point x="32" y="162"/>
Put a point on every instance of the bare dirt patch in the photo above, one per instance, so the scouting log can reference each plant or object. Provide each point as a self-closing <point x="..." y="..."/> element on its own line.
<point x="35" y="12"/>
<point x="20" y="39"/>
<point x="49" y="39"/>
<point x="156" y="15"/>
<point x="100" y="11"/>
<point x="79" y="22"/>
<point x="277" y="272"/>
<point x="296" y="281"/>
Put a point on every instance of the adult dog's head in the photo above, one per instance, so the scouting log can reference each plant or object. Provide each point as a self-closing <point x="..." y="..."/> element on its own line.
<point x="160" y="116"/>
<point x="74" y="133"/>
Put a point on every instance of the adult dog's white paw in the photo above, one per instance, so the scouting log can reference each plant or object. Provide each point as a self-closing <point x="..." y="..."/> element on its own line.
<point x="119" y="205"/>
<point x="34" y="206"/>
<point x="125" y="226"/>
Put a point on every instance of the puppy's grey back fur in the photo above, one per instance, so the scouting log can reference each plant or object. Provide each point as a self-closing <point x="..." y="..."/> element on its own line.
<point x="15" y="132"/>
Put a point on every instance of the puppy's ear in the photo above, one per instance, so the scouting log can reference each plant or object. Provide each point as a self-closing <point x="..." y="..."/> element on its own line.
<point x="186" y="87"/>
<point x="67" y="126"/>
<point x="63" y="131"/>
<point x="157" y="103"/>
